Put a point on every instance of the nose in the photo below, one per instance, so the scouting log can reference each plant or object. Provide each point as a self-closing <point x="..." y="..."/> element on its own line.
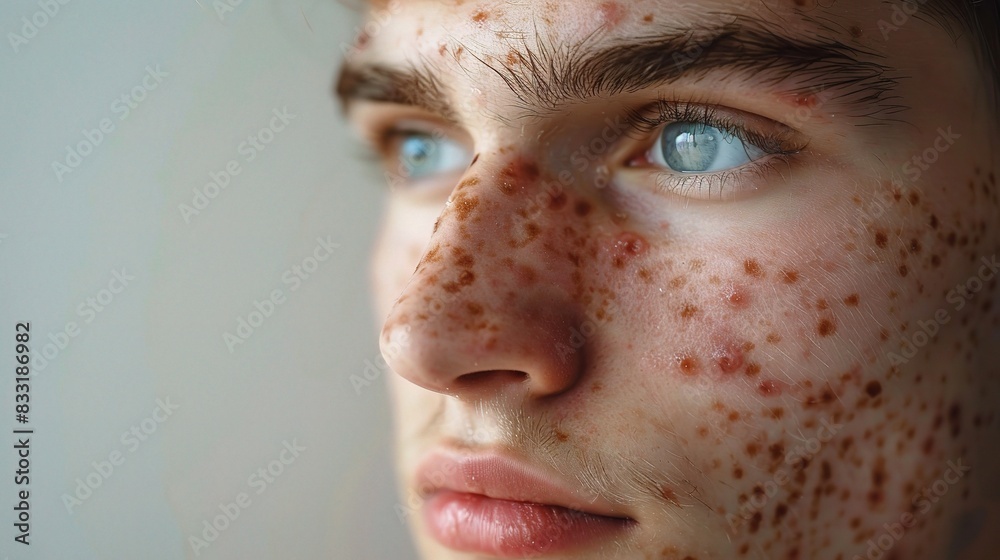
<point x="487" y="311"/>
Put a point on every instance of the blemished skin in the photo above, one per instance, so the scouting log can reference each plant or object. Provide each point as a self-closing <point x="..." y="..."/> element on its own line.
<point x="793" y="358"/>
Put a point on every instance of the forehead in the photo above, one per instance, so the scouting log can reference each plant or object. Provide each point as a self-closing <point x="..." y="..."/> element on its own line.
<point x="426" y="28"/>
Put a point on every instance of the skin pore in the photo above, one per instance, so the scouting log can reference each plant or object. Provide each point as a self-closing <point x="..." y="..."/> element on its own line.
<point x="790" y="357"/>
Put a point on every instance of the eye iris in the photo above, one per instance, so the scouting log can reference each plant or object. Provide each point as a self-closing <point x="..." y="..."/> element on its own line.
<point x="417" y="154"/>
<point x="692" y="147"/>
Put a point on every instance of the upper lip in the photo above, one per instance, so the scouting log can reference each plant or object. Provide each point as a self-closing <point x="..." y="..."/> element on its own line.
<point x="499" y="476"/>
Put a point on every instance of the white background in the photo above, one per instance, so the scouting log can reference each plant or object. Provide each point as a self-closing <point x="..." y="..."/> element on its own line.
<point x="162" y="336"/>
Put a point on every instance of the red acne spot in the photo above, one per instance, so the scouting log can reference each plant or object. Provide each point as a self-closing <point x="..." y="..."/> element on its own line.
<point x="729" y="358"/>
<point x="582" y="208"/>
<point x="687" y="364"/>
<point x="826" y="327"/>
<point x="516" y="174"/>
<point x="612" y="13"/>
<point x="736" y="296"/>
<point x="627" y="246"/>
<point x="769" y="388"/>
<point x="752" y="268"/>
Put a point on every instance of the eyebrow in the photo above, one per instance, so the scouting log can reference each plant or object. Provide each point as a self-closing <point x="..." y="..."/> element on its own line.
<point x="545" y="76"/>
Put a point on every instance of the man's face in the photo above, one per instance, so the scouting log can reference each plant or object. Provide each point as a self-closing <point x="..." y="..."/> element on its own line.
<point x="678" y="279"/>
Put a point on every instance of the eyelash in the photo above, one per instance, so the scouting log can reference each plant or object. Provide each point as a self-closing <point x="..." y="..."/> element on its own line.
<point x="779" y="144"/>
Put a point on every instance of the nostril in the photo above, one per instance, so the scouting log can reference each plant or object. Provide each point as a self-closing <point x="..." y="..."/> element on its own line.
<point x="493" y="378"/>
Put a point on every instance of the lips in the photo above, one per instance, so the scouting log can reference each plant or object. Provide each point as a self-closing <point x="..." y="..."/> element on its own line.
<point x="493" y="504"/>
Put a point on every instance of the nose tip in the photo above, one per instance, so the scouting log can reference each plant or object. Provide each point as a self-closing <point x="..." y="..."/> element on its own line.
<point x="508" y="351"/>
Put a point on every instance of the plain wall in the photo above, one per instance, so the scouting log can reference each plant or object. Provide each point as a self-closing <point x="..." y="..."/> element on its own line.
<point x="160" y="338"/>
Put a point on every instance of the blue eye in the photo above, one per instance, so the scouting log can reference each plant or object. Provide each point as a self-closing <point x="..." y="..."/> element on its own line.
<point x="422" y="155"/>
<point x="691" y="147"/>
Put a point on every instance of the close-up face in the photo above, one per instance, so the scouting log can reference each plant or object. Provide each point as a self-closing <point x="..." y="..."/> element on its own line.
<point x="686" y="280"/>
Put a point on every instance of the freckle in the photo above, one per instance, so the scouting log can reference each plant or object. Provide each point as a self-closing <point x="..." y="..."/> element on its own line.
<point x="822" y="305"/>
<point x="776" y="413"/>
<point x="458" y="56"/>
<point x="597" y="387"/>
<point x="856" y="31"/>
<point x="525" y="234"/>
<point x="469" y="182"/>
<point x="627" y="246"/>
<point x="755" y="522"/>
<point x="558" y="201"/>
<point x="561" y="436"/>
<point x="752" y="268"/>
<point x="903" y="271"/>
<point x="738" y="473"/>
<point x="474" y="308"/>
<point x="516" y="173"/>
<point x="881" y="239"/>
<point x="852" y="300"/>
<point x="752" y="369"/>
<point x="480" y="16"/>
<point x="645" y="275"/>
<point x="669" y="495"/>
<point x="789" y="276"/>
<point x="442" y="48"/>
<point x="702" y="431"/>
<point x="647" y="18"/>
<point x="883" y="335"/>
<point x="873" y="388"/>
<point x="826" y="327"/>
<point x="733" y="416"/>
<point x="465" y="206"/>
<point x="774" y="338"/>
<point x="688" y="311"/>
<point x="513" y="58"/>
<point x="582" y="208"/>
<point x="934" y="221"/>
<point x="768" y="388"/>
<point x="752" y="449"/>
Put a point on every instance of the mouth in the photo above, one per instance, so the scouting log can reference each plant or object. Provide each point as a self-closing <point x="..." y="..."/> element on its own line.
<point x="494" y="504"/>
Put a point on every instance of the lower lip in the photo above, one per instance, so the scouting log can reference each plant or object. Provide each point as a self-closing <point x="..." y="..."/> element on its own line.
<point x="505" y="529"/>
